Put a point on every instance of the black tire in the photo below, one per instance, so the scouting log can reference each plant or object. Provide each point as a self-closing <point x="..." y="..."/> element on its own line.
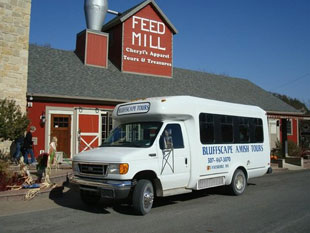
<point x="143" y="197"/>
<point x="238" y="183"/>
<point x="89" y="198"/>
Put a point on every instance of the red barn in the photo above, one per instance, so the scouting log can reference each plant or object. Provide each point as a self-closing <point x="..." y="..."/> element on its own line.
<point x="71" y="94"/>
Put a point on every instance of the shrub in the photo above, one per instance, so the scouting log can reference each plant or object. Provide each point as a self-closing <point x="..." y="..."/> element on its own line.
<point x="4" y="164"/>
<point x="293" y="149"/>
<point x="3" y="171"/>
<point x="7" y="177"/>
<point x="13" y="123"/>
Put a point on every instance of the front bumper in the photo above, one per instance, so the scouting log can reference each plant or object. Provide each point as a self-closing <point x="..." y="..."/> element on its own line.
<point x="115" y="189"/>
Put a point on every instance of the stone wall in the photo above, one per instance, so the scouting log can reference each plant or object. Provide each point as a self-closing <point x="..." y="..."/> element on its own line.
<point x="14" y="44"/>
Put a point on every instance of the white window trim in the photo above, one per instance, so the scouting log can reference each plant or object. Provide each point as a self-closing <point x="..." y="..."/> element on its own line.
<point x="292" y="131"/>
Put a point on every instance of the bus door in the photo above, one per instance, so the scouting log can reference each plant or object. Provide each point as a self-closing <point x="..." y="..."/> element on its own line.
<point x="174" y="156"/>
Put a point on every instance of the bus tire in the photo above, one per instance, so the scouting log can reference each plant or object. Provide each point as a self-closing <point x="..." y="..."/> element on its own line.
<point x="89" y="198"/>
<point x="238" y="183"/>
<point x="143" y="197"/>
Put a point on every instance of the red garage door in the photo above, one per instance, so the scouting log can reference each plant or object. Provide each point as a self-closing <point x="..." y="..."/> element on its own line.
<point x="89" y="122"/>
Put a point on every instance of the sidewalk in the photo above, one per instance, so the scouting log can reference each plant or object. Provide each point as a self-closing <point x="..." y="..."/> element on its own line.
<point x="275" y="168"/>
<point x="58" y="176"/>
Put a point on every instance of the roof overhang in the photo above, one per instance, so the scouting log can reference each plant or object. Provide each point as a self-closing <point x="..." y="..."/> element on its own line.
<point x="288" y="115"/>
<point x="72" y="99"/>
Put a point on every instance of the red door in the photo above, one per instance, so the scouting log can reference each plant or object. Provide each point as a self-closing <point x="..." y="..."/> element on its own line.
<point x="61" y="128"/>
<point x="88" y="130"/>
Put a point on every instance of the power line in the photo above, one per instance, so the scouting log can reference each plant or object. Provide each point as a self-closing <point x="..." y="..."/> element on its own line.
<point x="292" y="81"/>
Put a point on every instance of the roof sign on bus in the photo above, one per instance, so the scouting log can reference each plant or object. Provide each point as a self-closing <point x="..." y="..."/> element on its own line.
<point x="133" y="109"/>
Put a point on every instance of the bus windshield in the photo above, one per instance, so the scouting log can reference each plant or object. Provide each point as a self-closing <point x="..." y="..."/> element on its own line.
<point x="140" y="134"/>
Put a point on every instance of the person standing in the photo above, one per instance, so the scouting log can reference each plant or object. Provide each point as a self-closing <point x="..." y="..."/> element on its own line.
<point x="19" y="145"/>
<point x="28" y="146"/>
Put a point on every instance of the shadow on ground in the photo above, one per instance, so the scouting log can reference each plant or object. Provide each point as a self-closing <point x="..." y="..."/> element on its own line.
<point x="69" y="197"/>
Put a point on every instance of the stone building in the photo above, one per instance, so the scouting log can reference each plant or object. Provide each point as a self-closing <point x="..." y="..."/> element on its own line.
<point x="14" y="44"/>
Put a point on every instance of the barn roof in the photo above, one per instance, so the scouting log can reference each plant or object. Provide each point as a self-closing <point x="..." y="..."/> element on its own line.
<point x="59" y="73"/>
<point x="127" y="14"/>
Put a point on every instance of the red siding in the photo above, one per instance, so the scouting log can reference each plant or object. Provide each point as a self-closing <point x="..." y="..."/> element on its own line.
<point x="140" y="60"/>
<point x="294" y="136"/>
<point x="80" y="45"/>
<point x="36" y="111"/>
<point x="115" y="45"/>
<point x="96" y="50"/>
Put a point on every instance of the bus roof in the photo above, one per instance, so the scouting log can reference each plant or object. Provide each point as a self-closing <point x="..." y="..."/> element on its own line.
<point x="180" y="108"/>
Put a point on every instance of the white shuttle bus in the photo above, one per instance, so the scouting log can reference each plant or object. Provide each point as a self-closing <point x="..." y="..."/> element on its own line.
<point x="172" y="145"/>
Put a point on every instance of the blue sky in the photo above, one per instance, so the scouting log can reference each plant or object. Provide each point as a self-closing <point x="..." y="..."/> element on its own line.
<point x="264" y="41"/>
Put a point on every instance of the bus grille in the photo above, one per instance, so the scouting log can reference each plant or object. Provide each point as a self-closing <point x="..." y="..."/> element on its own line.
<point x="93" y="169"/>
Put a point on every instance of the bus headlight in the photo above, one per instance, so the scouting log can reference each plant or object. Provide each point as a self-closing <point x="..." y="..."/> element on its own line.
<point x="118" y="168"/>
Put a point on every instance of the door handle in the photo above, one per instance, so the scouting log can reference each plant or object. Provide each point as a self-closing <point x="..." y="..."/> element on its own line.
<point x="152" y="155"/>
<point x="186" y="161"/>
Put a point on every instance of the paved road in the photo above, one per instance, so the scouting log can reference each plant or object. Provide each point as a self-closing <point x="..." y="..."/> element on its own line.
<point x="273" y="203"/>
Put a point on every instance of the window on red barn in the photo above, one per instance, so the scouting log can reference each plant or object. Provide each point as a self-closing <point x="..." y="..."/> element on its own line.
<point x="289" y="127"/>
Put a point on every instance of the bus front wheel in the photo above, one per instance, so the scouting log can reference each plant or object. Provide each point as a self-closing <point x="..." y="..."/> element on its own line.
<point x="143" y="197"/>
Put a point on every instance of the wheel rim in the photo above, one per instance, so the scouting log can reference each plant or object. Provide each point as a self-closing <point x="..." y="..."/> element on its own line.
<point x="240" y="182"/>
<point x="148" y="198"/>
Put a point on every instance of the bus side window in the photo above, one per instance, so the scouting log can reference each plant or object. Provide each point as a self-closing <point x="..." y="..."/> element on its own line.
<point x="172" y="132"/>
<point x="206" y="122"/>
<point x="244" y="134"/>
<point x="257" y="134"/>
<point x="226" y="127"/>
